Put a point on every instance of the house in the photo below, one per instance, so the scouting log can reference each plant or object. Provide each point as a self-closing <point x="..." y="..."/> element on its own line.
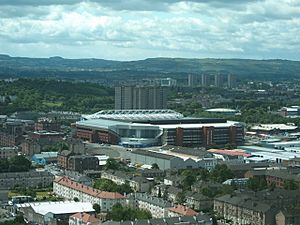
<point x="198" y="201"/>
<point x="67" y="188"/>
<point x="152" y="173"/>
<point x="173" y="181"/>
<point x="181" y="210"/>
<point x="157" y="206"/>
<point x="137" y="183"/>
<point x="288" y="216"/>
<point x="82" y="218"/>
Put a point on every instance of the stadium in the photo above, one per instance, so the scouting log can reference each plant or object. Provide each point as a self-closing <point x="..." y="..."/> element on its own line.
<point x="145" y="128"/>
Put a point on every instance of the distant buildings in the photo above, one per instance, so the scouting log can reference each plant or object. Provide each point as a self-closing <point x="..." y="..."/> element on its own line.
<point x="47" y="124"/>
<point x="231" y="81"/>
<point x="292" y="112"/>
<point x="82" y="218"/>
<point x="140" y="97"/>
<point x="8" y="152"/>
<point x="192" y="80"/>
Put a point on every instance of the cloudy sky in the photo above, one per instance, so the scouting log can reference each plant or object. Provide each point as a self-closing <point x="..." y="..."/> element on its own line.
<point x="138" y="29"/>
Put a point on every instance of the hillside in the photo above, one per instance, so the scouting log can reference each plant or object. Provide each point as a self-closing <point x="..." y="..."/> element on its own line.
<point x="153" y="67"/>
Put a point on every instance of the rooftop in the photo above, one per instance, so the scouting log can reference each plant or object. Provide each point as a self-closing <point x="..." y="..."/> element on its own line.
<point x="65" y="181"/>
<point x="67" y="207"/>
<point x="85" y="217"/>
<point x="137" y="115"/>
<point x="183" y="210"/>
<point x="152" y="154"/>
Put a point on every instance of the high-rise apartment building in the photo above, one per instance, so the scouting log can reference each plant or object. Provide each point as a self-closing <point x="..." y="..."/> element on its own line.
<point x="231" y="81"/>
<point x="192" y="80"/>
<point x="218" y="80"/>
<point x="140" y="97"/>
<point x="205" y="80"/>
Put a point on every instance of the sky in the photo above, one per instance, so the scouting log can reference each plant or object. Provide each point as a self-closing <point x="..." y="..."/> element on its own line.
<point x="139" y="29"/>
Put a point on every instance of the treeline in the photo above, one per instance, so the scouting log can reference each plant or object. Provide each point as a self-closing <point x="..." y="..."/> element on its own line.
<point x="108" y="185"/>
<point x="121" y="213"/>
<point x="46" y="95"/>
<point x="15" y="164"/>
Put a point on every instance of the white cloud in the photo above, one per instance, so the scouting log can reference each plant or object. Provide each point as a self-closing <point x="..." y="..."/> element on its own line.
<point x="117" y="30"/>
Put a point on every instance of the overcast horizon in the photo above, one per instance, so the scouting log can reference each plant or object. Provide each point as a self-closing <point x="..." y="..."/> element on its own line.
<point x="138" y="29"/>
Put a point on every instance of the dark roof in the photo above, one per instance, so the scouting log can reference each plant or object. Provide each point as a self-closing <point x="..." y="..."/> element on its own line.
<point x="186" y="120"/>
<point x="184" y="220"/>
<point x="153" y="154"/>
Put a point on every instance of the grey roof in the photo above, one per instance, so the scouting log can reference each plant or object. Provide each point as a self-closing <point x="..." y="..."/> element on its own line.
<point x="151" y="199"/>
<point x="184" y="220"/>
<point x="260" y="201"/>
<point x="174" y="190"/>
<point x="153" y="154"/>
<point x="25" y="174"/>
<point x="284" y="174"/>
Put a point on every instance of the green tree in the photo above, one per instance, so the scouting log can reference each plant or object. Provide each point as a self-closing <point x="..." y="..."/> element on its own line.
<point x="119" y="213"/>
<point x="155" y="166"/>
<point x="290" y="184"/>
<point x="97" y="208"/>
<point x="180" y="198"/>
<point x="257" y="183"/>
<point x="76" y="199"/>
<point x="221" y="173"/>
<point x="112" y="164"/>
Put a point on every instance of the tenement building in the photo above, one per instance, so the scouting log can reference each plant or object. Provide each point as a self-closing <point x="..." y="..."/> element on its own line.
<point x="260" y="208"/>
<point x="34" y="179"/>
<point x="65" y="187"/>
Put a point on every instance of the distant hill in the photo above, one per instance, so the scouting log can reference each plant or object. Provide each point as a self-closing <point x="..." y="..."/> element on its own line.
<point x="153" y="67"/>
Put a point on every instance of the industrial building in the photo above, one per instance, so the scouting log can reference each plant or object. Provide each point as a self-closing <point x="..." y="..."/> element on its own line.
<point x="144" y="128"/>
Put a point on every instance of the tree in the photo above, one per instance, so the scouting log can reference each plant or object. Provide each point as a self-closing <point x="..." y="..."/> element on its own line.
<point x="119" y="213"/>
<point x="221" y="173"/>
<point x="76" y="199"/>
<point x="155" y="166"/>
<point x="165" y="194"/>
<point x="180" y="198"/>
<point x="97" y="208"/>
<point x="290" y="184"/>
<point x="159" y="192"/>
<point x="257" y="183"/>
<point x="112" y="164"/>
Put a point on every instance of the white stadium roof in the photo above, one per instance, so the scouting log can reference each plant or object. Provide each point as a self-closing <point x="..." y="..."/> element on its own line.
<point x="135" y="115"/>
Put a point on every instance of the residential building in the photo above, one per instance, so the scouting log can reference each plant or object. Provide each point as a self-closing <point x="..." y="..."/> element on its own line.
<point x="192" y="80"/>
<point x="9" y="140"/>
<point x="205" y="80"/>
<point x="200" y="219"/>
<point x="257" y="208"/>
<point x="231" y="81"/>
<point x="35" y="179"/>
<point x="65" y="187"/>
<point x="8" y="152"/>
<point x="52" y="213"/>
<point x="288" y="216"/>
<point x="82" y="218"/>
<point x="181" y="210"/>
<point x="152" y="173"/>
<point x="46" y="124"/>
<point x="280" y="176"/>
<point x="63" y="158"/>
<point x="140" y="97"/>
<point x="198" y="201"/>
<point x="80" y="163"/>
<point x="137" y="183"/>
<point x="157" y="206"/>
<point x="29" y="147"/>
